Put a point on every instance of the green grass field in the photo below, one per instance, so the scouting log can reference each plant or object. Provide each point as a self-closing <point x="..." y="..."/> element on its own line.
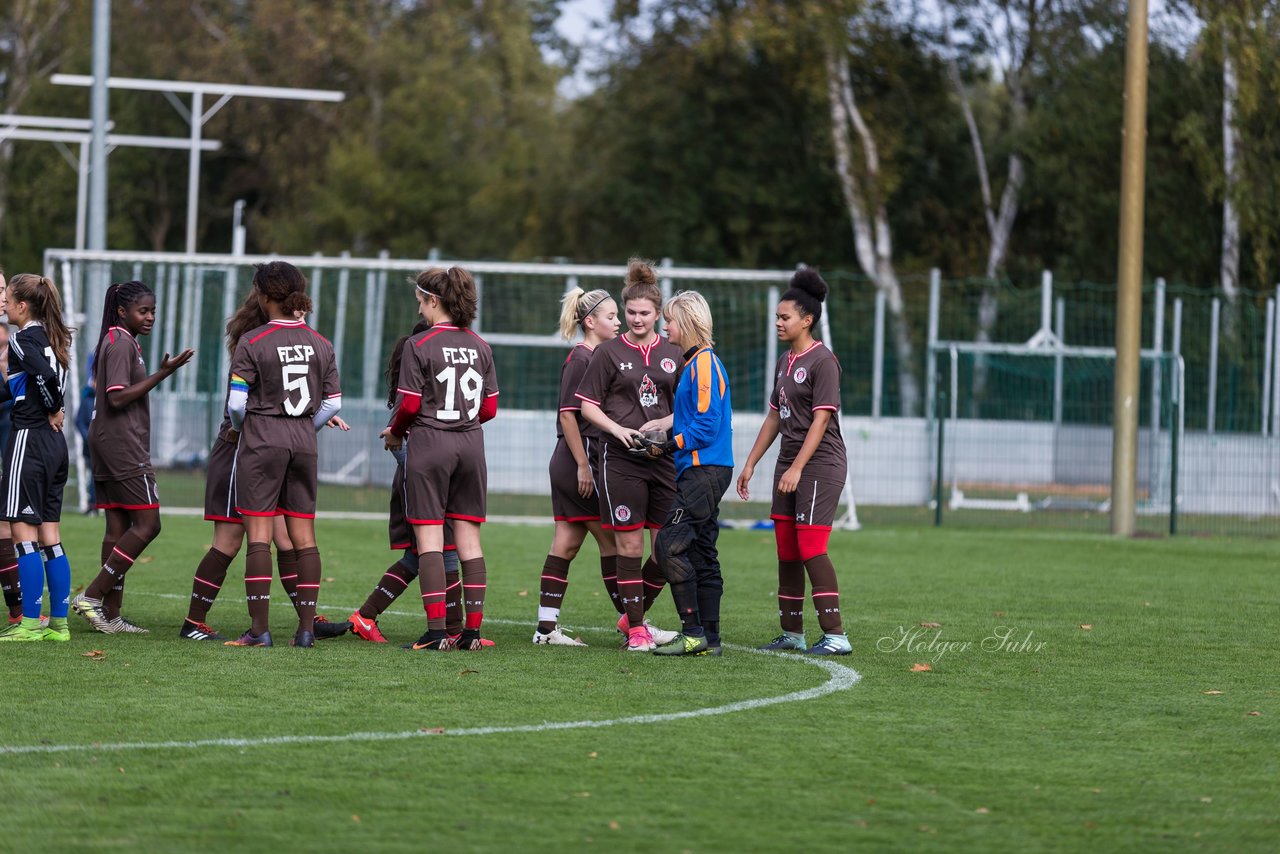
<point x="1070" y="738"/>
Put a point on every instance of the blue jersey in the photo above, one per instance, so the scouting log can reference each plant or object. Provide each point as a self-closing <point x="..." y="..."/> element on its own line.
<point x="36" y="381"/>
<point x="702" y="425"/>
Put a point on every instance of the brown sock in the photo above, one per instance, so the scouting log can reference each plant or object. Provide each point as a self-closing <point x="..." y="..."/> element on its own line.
<point x="309" y="572"/>
<point x="654" y="581"/>
<point x="287" y="566"/>
<point x="553" y="584"/>
<point x="826" y="593"/>
<point x="210" y="574"/>
<point x="257" y="586"/>
<point x="631" y="589"/>
<point x="120" y="558"/>
<point x="791" y="595"/>
<point x="9" y="577"/>
<point x="432" y="583"/>
<point x="475" y="581"/>
<point x="609" y="574"/>
<point x="388" y="589"/>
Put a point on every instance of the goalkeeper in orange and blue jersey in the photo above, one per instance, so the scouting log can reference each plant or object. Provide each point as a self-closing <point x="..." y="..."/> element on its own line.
<point x="702" y="445"/>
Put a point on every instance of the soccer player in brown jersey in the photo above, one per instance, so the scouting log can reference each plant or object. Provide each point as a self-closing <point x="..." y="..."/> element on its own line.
<point x="447" y="389"/>
<point x="628" y="388"/>
<point x="120" y="449"/>
<point x="811" y="469"/>
<point x="284" y="388"/>
<point x="573" y="465"/>
<point x="397" y="577"/>
<point x="228" y="527"/>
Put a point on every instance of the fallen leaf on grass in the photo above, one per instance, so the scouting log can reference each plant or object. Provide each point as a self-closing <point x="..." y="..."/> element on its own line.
<point x="613" y="825"/>
<point x="593" y="754"/>
<point x="982" y="810"/>
<point x="1255" y="714"/>
<point x="356" y="819"/>
<point x="997" y="613"/>
<point x="860" y="823"/>
<point x="1211" y="692"/>
<point x="95" y="654"/>
<point x="329" y="580"/>
<point x="920" y="667"/>
<point x="931" y="625"/>
<point x="1088" y="627"/>
<point x="146" y="558"/>
<point x="121" y="770"/>
<point x="582" y="794"/>
<point x="467" y="672"/>
<point x="432" y="730"/>
<point x="1206" y="800"/>
<point x="871" y="802"/>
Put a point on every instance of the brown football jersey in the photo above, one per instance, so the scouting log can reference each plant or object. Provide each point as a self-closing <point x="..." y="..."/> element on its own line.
<point x="571" y="374"/>
<point x="119" y="439"/>
<point x="451" y="370"/>
<point x="288" y="367"/>
<point x="632" y="384"/>
<point x="804" y="384"/>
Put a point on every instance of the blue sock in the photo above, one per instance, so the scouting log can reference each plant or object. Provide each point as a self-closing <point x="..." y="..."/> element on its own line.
<point x="31" y="577"/>
<point x="58" y="570"/>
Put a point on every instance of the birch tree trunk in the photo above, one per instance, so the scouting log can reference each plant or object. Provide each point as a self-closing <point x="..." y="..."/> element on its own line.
<point x="872" y="236"/>
<point x="1230" y="260"/>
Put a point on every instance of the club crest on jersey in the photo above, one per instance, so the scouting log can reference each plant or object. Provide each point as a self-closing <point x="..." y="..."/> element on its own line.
<point x="668" y="365"/>
<point x="648" y="392"/>
<point x="784" y="408"/>
<point x="626" y="366"/>
<point x="801" y="375"/>
<point x="622" y="513"/>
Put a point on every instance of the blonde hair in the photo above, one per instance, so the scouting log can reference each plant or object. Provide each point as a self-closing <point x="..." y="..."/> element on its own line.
<point x="641" y="283"/>
<point x="41" y="295"/>
<point x="690" y="310"/>
<point x="576" y="307"/>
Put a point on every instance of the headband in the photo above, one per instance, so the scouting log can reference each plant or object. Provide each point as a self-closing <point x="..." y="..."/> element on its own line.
<point x="584" y="312"/>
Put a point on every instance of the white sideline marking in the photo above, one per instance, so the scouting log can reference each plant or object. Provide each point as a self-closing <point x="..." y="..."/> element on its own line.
<point x="842" y="678"/>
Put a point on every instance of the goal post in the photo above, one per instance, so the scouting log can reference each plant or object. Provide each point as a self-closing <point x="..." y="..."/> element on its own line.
<point x="1039" y="438"/>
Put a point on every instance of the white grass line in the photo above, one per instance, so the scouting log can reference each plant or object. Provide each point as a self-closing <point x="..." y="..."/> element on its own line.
<point x="842" y="678"/>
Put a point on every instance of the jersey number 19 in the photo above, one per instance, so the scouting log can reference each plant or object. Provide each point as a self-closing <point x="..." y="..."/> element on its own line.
<point x="470" y="384"/>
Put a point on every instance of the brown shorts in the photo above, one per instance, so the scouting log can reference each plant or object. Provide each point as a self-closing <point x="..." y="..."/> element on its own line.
<point x="275" y="482"/>
<point x="220" y="483"/>
<point x="445" y="477"/>
<point x="816" y="499"/>
<point x="567" y="504"/>
<point x="136" y="493"/>
<point x="634" y="493"/>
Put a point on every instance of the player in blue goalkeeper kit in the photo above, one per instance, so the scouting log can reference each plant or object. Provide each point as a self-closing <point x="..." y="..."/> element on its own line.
<point x="702" y="444"/>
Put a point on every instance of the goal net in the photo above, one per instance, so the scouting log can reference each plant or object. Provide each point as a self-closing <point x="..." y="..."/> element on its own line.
<point x="1028" y="429"/>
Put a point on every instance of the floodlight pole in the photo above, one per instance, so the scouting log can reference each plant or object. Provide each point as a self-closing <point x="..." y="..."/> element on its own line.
<point x="1124" y="449"/>
<point x="98" y="115"/>
<point x="197" y="115"/>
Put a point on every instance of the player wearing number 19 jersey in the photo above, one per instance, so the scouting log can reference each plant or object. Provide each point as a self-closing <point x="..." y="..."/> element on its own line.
<point x="447" y="389"/>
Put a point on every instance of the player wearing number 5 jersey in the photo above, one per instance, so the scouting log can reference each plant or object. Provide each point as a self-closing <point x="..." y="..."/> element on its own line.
<point x="284" y="388"/>
<point x="447" y="389"/>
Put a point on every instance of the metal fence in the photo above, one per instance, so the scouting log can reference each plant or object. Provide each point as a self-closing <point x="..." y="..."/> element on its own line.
<point x="1230" y="407"/>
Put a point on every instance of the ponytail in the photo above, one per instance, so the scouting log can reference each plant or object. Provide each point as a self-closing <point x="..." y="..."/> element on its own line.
<point x="41" y="294"/>
<point x="576" y="307"/>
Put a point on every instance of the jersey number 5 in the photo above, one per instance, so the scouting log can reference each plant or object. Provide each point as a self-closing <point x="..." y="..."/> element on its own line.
<point x="295" y="379"/>
<point x="469" y="384"/>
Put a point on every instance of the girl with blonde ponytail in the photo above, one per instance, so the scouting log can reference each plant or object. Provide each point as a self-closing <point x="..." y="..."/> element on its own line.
<point x="573" y="466"/>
